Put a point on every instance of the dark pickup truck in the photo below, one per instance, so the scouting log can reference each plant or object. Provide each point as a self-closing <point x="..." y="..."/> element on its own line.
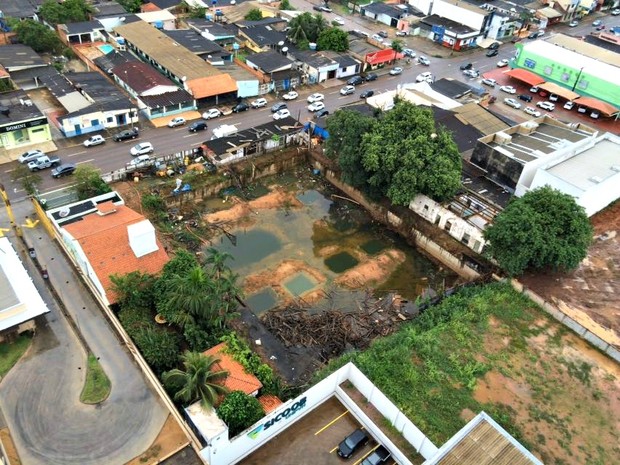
<point x="126" y="134"/>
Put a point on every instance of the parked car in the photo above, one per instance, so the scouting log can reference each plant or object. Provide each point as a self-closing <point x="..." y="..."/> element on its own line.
<point x="290" y="95"/>
<point x="534" y="89"/>
<point x="63" y="170"/>
<point x="553" y="97"/>
<point x="278" y="106"/>
<point x="532" y="111"/>
<point x="258" y="103"/>
<point x="615" y="12"/>
<point x="338" y="20"/>
<point x="377" y="37"/>
<point x="317" y="7"/>
<point x="596" y="22"/>
<point x="600" y="27"/>
<point x="396" y="71"/>
<point x="546" y="105"/>
<point x="595" y="114"/>
<point x="43" y="162"/>
<point x="582" y="110"/>
<point x="512" y="103"/>
<point x="569" y="105"/>
<point x="211" y="113"/>
<point x="424" y="77"/>
<point x="502" y="63"/>
<point x="492" y="52"/>
<point x="351" y="443"/>
<point x="424" y="61"/>
<point x="321" y="113"/>
<point x="367" y="93"/>
<point x="178" y="121"/>
<point x="371" y="77"/>
<point x="573" y="23"/>
<point x="281" y="114"/>
<point x="383" y="34"/>
<point x="197" y="126"/>
<point x="471" y="73"/>
<point x="242" y="106"/>
<point x="140" y="161"/>
<point x="378" y="457"/>
<point x="494" y="46"/>
<point x="316" y="106"/>
<point x="401" y="33"/>
<point x="489" y="82"/>
<point x="465" y="66"/>
<point x="508" y="89"/>
<point x="525" y="97"/>
<point x="141" y="149"/>
<point x="94" y="140"/>
<point x="315" y="97"/>
<point x="347" y="90"/>
<point x="408" y="53"/>
<point x="126" y="134"/>
<point x="30" y="155"/>
<point x="355" y="81"/>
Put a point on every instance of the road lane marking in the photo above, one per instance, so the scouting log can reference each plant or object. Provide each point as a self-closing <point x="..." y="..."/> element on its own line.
<point x="331" y="423"/>
<point x="85" y="161"/>
<point x="77" y="153"/>
<point x="191" y="134"/>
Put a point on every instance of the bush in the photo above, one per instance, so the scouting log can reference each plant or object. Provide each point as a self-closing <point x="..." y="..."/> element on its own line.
<point x="159" y="347"/>
<point x="135" y="319"/>
<point x="240" y="411"/>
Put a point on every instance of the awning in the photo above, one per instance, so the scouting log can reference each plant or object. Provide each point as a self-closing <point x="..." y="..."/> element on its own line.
<point x="559" y="90"/>
<point x="549" y="12"/>
<point x="526" y="76"/>
<point x="605" y="108"/>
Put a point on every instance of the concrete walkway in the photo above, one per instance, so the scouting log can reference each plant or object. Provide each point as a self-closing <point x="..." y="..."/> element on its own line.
<point x="40" y="396"/>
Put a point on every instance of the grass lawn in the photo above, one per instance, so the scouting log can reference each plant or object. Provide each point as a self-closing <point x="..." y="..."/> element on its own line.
<point x="489" y="348"/>
<point x="11" y="353"/>
<point x="97" y="386"/>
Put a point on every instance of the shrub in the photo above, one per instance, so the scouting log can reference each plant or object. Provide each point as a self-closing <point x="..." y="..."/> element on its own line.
<point x="240" y="411"/>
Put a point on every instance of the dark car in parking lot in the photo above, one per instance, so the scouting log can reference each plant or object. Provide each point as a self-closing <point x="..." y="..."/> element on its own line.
<point x="525" y="97"/>
<point x="351" y="443"/>
<point x="241" y="107"/>
<point x="371" y="77"/>
<point x="492" y="52"/>
<point x="379" y="456"/>
<point x="355" y="81"/>
<point x="197" y="126"/>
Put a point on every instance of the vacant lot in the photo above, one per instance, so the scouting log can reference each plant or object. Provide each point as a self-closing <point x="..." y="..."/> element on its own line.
<point x="489" y="348"/>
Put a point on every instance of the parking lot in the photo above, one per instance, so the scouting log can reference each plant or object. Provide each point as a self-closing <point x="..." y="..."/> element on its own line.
<point x="313" y="440"/>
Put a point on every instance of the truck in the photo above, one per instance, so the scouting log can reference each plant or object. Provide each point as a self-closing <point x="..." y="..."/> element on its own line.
<point x="224" y="130"/>
<point x="43" y="162"/>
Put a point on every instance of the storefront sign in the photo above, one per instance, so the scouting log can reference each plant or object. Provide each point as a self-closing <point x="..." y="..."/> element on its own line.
<point x="283" y="415"/>
<point x="24" y="125"/>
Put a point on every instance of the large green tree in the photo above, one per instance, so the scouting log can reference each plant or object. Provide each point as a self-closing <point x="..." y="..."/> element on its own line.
<point x="198" y="380"/>
<point x="239" y="411"/>
<point x="397" y="46"/>
<point x="29" y="180"/>
<point x="543" y="229"/>
<point x="132" y="6"/>
<point x="306" y="28"/>
<point x="69" y="11"/>
<point x="88" y="182"/>
<point x="36" y="35"/>
<point x="334" y="39"/>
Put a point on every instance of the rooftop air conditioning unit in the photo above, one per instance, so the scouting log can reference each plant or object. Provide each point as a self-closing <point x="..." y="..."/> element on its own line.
<point x="596" y="179"/>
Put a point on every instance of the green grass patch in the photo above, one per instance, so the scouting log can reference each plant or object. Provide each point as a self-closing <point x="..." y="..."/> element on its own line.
<point x="97" y="386"/>
<point x="11" y="353"/>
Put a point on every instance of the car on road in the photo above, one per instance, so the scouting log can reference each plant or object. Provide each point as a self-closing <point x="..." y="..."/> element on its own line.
<point x="512" y="103"/>
<point x="378" y="456"/>
<point x="383" y="34"/>
<point x="494" y="46"/>
<point x="536" y="35"/>
<point x="401" y="33"/>
<point x="573" y="23"/>
<point x="347" y="90"/>
<point x="508" y="89"/>
<point x="367" y="93"/>
<point x="424" y="77"/>
<point x="377" y="37"/>
<point x="471" y="73"/>
<point x="465" y="66"/>
<point x="315" y="97"/>
<point x="424" y="61"/>
<point x="94" y="140"/>
<point x="242" y="106"/>
<point x="409" y="53"/>
<point x="351" y="443"/>
<point x="197" y="126"/>
<point x="503" y="62"/>
<point x="290" y="95"/>
<point x="317" y="7"/>
<point x="281" y="114"/>
<point x="63" y="170"/>
<point x="596" y="23"/>
<point x="492" y="52"/>
<point x="525" y="97"/>
<point x="600" y="27"/>
<point x="615" y="12"/>
<point x="178" y="121"/>
<point x="489" y="82"/>
<point x="30" y="155"/>
<point x="569" y="105"/>
<point x="546" y="105"/>
<point x="258" y="103"/>
<point x="532" y="111"/>
<point x="278" y="106"/>
<point x="326" y="9"/>
<point x="338" y="20"/>
<point x="212" y="113"/>
<point x="321" y="113"/>
<point x="371" y="77"/>
<point x="396" y="71"/>
<point x="126" y="134"/>
<point x="140" y="161"/>
<point x="316" y="106"/>
<point x="141" y="149"/>
<point x="355" y="81"/>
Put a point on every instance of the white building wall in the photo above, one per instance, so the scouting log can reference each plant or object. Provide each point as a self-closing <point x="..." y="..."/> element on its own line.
<point x="423" y="5"/>
<point x="461" y="15"/>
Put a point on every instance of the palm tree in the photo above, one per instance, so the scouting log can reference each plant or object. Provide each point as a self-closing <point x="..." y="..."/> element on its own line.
<point x="397" y="46"/>
<point x="198" y="379"/>
<point x="191" y="294"/>
<point x="218" y="260"/>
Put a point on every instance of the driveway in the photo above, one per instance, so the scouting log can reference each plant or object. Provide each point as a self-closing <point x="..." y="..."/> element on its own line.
<point x="40" y="396"/>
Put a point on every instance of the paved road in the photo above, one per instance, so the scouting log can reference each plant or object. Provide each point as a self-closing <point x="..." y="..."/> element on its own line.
<point x="40" y="396"/>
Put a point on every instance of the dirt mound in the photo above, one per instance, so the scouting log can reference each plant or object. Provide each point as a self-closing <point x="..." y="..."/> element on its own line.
<point x="372" y="271"/>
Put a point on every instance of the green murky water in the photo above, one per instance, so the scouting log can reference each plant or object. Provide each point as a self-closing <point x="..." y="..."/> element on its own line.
<point x="261" y="301"/>
<point x="299" y="284"/>
<point x="341" y="262"/>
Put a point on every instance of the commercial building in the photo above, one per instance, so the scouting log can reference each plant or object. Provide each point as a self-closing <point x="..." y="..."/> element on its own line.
<point x="22" y="124"/>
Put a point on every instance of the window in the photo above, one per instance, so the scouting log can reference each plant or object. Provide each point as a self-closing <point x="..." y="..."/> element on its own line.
<point x="477" y="246"/>
<point x="529" y="63"/>
<point x="548" y="70"/>
<point x="448" y="225"/>
<point x="425" y="208"/>
<point x="465" y="239"/>
<point x="565" y="77"/>
<point x="583" y="84"/>
<point x="41" y="129"/>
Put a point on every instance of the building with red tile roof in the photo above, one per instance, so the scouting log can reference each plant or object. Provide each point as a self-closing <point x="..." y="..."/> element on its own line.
<point x="238" y="379"/>
<point x="269" y="403"/>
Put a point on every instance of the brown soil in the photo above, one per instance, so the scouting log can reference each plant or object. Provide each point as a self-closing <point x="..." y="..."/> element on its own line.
<point x="9" y="447"/>
<point x="590" y="294"/>
<point x="242" y="211"/>
<point x="170" y="439"/>
<point x="373" y="271"/>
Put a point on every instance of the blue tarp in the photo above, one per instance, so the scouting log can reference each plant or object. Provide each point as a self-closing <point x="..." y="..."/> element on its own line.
<point x="316" y="130"/>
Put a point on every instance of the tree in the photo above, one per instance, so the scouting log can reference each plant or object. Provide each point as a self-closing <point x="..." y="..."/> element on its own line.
<point x="29" y="180"/>
<point x="543" y="229"/>
<point x="135" y="289"/>
<point x="190" y="298"/>
<point x="88" y="182"/>
<point x="36" y="35"/>
<point x="160" y="347"/>
<point x="69" y="11"/>
<point x="239" y="411"/>
<point x="306" y="28"/>
<point x="286" y="5"/>
<point x="131" y="6"/>
<point x="397" y="46"/>
<point x="198" y="379"/>
<point x="254" y="15"/>
<point x="333" y="38"/>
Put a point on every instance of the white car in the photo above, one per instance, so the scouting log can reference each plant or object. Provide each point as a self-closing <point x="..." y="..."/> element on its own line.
<point x="280" y="114"/>
<point x="94" y="140"/>
<point x="396" y="71"/>
<point x="532" y="111"/>
<point x="546" y="105"/>
<point x="569" y="105"/>
<point x="534" y="89"/>
<point x="408" y="53"/>
<point x="316" y="106"/>
<point x="315" y="97"/>
<point x="338" y="20"/>
<point x="471" y="73"/>
<point x="178" y="121"/>
<point x="424" y="77"/>
<point x="142" y="148"/>
<point x="508" y="89"/>
<point x="502" y="63"/>
<point x="615" y="12"/>
<point x="258" y="103"/>
<point x="291" y="95"/>
<point x="424" y="61"/>
<point x="30" y="155"/>
<point x="140" y="161"/>
<point x="212" y="113"/>
<point x="489" y="82"/>
<point x="347" y="90"/>
<point x="573" y="23"/>
<point x="377" y="37"/>
<point x="512" y="103"/>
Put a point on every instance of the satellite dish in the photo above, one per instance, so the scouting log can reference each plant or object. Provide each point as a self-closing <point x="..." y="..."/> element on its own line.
<point x="64" y="212"/>
<point x="281" y="43"/>
<point x="184" y="78"/>
<point x="284" y="50"/>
